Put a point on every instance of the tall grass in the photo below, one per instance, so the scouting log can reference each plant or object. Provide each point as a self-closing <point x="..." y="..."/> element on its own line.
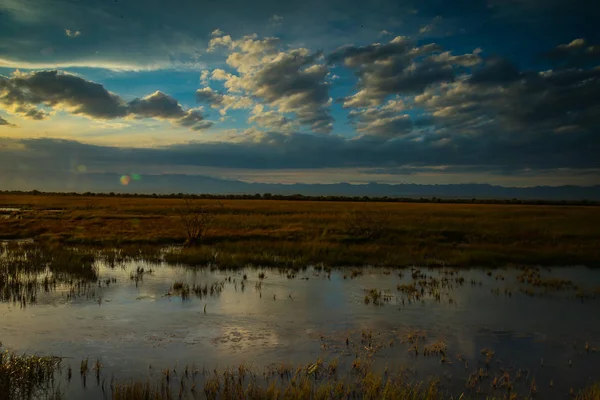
<point x="592" y="392"/>
<point x="27" y="268"/>
<point x="27" y="376"/>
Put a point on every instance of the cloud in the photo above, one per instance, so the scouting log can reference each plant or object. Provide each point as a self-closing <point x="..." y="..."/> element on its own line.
<point x="164" y="107"/>
<point x="223" y="102"/>
<point x="277" y="150"/>
<point x="24" y="93"/>
<point x="398" y="67"/>
<point x="217" y="32"/>
<point x="72" y="34"/>
<point x="432" y="26"/>
<point x="4" y="122"/>
<point x="501" y="101"/>
<point x="152" y="39"/>
<point x="292" y="81"/>
<point x="61" y="91"/>
<point x="112" y="64"/>
<point x="276" y="20"/>
<point x="107" y="35"/>
<point x="271" y="120"/>
<point x="194" y="120"/>
<point x="207" y="95"/>
<point x="204" y="77"/>
<point x="574" y="54"/>
<point x="496" y="70"/>
<point x="386" y="122"/>
<point x="220" y="41"/>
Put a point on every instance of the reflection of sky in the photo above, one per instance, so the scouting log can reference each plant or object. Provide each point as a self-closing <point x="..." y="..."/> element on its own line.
<point x="136" y="326"/>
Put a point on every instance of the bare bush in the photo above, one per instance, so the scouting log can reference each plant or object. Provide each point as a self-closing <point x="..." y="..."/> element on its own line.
<point x="196" y="220"/>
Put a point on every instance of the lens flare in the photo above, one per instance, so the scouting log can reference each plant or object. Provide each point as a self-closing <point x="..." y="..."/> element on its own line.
<point x="125" y="179"/>
<point x="136" y="177"/>
<point x="81" y="168"/>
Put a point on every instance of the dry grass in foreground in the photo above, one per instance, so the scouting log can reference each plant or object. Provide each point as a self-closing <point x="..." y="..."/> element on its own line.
<point x="27" y="376"/>
<point x="32" y="377"/>
<point x="297" y="233"/>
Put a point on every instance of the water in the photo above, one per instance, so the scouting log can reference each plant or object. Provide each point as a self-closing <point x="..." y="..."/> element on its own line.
<point x="133" y="324"/>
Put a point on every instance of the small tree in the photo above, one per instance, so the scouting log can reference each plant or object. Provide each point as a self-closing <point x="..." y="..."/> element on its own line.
<point x="196" y="220"/>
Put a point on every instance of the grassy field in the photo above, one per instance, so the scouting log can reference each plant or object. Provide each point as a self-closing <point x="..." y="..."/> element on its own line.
<point x="297" y="233"/>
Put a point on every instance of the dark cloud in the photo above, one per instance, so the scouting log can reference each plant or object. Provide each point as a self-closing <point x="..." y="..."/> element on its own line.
<point x="496" y="70"/>
<point x="22" y="93"/>
<point x="54" y="89"/>
<point x="577" y="53"/>
<point x="209" y="96"/>
<point x="156" y="105"/>
<point x="194" y="120"/>
<point x="354" y="57"/>
<point x="274" y="150"/>
<point x="4" y="122"/>
<point x="162" y="106"/>
<point x="150" y="34"/>
<point x="557" y="109"/>
<point x="139" y="35"/>
<point x="398" y="67"/>
<point x="385" y="122"/>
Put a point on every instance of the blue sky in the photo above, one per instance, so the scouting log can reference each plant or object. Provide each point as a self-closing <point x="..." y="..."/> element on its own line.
<point x="496" y="91"/>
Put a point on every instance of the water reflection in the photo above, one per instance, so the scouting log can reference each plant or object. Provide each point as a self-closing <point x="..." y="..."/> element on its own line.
<point x="135" y="319"/>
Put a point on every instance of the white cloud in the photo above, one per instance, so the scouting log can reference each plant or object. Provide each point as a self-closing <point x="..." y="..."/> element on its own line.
<point x="290" y="81"/>
<point x="72" y="34"/>
<point x="220" y="41"/>
<point x="271" y="120"/>
<point x="204" y="77"/>
<point x="217" y="32"/>
<point x="113" y="65"/>
<point x="223" y="102"/>
<point x="276" y="20"/>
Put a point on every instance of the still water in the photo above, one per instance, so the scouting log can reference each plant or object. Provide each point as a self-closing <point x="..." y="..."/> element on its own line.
<point x="136" y="323"/>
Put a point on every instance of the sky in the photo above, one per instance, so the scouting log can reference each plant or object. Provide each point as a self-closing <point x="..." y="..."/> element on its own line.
<point x="504" y="92"/>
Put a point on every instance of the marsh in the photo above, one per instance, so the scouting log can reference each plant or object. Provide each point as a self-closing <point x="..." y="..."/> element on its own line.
<point x="139" y="319"/>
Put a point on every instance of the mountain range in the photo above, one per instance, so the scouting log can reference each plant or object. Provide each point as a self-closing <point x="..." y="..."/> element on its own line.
<point x="197" y="184"/>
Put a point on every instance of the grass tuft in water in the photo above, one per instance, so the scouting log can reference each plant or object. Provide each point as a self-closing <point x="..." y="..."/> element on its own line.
<point x="590" y="393"/>
<point x="27" y="376"/>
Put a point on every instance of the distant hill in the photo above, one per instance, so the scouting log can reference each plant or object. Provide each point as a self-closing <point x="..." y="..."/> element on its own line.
<point x="195" y="184"/>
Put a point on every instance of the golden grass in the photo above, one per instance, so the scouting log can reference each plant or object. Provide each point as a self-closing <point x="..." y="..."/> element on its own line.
<point x="592" y="392"/>
<point x="314" y="381"/>
<point x="27" y="376"/>
<point x="297" y="233"/>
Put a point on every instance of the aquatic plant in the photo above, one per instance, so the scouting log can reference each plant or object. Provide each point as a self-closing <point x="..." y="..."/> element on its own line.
<point x="438" y="348"/>
<point x="592" y="392"/>
<point x="27" y="376"/>
<point x="28" y="268"/>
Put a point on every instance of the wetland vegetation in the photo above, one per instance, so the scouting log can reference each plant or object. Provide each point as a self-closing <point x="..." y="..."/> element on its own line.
<point x="297" y="299"/>
<point x="295" y="234"/>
